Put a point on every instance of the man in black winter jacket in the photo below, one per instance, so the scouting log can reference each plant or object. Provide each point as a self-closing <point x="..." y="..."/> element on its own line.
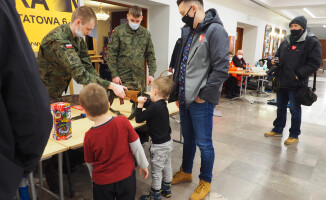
<point x="299" y="57"/>
<point x="25" y="118"/>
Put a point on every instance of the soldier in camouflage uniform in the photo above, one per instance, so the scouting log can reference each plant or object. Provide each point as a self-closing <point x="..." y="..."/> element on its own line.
<point x="63" y="55"/>
<point x="131" y="44"/>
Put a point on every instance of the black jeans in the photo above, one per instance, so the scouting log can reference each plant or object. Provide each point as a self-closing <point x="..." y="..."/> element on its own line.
<point x="121" y="190"/>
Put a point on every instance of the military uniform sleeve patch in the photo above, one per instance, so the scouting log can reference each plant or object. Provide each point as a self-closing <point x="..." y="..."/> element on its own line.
<point x="69" y="46"/>
<point x="110" y="40"/>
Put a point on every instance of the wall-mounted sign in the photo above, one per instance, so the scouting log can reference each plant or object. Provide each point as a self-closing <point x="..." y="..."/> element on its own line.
<point x="39" y="17"/>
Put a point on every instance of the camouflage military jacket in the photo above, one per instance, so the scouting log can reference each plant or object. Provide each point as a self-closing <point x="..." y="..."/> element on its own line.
<point x="62" y="57"/>
<point x="127" y="53"/>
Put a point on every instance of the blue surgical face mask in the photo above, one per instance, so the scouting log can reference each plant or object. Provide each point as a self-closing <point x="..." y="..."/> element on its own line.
<point x="79" y="33"/>
<point x="269" y="57"/>
<point x="134" y="26"/>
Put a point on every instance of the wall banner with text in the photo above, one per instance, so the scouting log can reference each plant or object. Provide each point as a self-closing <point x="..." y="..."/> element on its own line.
<point x="39" y="17"/>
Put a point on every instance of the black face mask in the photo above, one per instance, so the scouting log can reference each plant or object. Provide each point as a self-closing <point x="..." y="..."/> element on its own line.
<point x="295" y="33"/>
<point x="189" y="20"/>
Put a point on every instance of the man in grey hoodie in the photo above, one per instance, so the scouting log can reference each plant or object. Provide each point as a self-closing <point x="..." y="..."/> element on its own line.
<point x="201" y="68"/>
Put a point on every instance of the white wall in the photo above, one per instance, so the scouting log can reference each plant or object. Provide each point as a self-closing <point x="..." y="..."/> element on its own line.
<point x="159" y="23"/>
<point x="231" y="13"/>
<point x="249" y="44"/>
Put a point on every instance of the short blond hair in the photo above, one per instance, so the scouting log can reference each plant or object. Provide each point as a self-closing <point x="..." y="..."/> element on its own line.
<point x="94" y="99"/>
<point x="164" y="86"/>
<point x="84" y="13"/>
<point x="135" y="11"/>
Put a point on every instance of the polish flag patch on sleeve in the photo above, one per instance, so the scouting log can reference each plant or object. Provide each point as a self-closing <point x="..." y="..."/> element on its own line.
<point x="69" y="46"/>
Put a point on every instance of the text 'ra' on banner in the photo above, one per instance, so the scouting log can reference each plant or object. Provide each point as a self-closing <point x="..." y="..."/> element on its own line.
<point x="39" y="17"/>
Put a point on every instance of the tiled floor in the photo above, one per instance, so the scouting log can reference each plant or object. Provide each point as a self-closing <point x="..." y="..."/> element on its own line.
<point x="247" y="164"/>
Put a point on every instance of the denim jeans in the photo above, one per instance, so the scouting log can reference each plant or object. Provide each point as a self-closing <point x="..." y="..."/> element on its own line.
<point x="283" y="96"/>
<point x="197" y="126"/>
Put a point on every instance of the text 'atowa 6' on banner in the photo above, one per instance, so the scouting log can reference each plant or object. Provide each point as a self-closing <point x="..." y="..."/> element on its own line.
<point x="39" y="17"/>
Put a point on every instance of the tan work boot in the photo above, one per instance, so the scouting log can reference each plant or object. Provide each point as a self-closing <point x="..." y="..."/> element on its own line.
<point x="273" y="134"/>
<point x="291" y="140"/>
<point x="181" y="177"/>
<point x="201" y="191"/>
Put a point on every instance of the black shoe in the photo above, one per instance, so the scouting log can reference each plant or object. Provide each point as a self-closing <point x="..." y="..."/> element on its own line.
<point x="151" y="196"/>
<point x="271" y="103"/>
<point x="166" y="190"/>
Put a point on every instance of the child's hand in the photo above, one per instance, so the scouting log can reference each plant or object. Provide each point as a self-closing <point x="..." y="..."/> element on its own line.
<point x="141" y="99"/>
<point x="145" y="170"/>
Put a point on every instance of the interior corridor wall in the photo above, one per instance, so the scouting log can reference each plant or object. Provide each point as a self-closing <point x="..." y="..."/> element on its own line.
<point x="231" y="13"/>
<point x="159" y="28"/>
<point x="249" y="39"/>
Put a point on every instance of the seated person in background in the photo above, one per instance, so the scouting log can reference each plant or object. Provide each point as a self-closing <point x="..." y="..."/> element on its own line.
<point x="233" y="67"/>
<point x="238" y="60"/>
<point x="268" y="59"/>
<point x="231" y="84"/>
<point x="109" y="147"/>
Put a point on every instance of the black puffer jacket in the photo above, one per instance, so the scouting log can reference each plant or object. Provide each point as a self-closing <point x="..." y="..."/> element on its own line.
<point x="302" y="59"/>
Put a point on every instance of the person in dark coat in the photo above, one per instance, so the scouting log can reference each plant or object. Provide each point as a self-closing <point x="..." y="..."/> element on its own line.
<point x="25" y="117"/>
<point x="238" y="60"/>
<point x="299" y="57"/>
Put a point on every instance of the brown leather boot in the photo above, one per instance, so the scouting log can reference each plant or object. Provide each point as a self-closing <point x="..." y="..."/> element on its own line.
<point x="201" y="191"/>
<point x="181" y="177"/>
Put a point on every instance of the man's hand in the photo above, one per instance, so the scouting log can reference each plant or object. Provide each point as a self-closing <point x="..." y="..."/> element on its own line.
<point x="141" y="100"/>
<point x="117" y="80"/>
<point x="177" y="103"/>
<point x="119" y="90"/>
<point x="199" y="100"/>
<point x="296" y="77"/>
<point x="150" y="80"/>
<point x="145" y="170"/>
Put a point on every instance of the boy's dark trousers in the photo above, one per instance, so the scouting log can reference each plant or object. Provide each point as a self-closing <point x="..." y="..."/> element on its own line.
<point x="121" y="190"/>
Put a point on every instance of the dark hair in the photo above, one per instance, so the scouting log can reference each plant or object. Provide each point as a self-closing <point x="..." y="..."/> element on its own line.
<point x="135" y="11"/>
<point x="231" y="53"/>
<point x="186" y="1"/>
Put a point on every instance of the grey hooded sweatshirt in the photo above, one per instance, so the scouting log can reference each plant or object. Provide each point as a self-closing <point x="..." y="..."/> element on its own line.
<point x="208" y="61"/>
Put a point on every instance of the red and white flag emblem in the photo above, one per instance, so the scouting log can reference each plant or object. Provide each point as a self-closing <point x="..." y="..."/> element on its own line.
<point x="201" y="38"/>
<point x="69" y="46"/>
